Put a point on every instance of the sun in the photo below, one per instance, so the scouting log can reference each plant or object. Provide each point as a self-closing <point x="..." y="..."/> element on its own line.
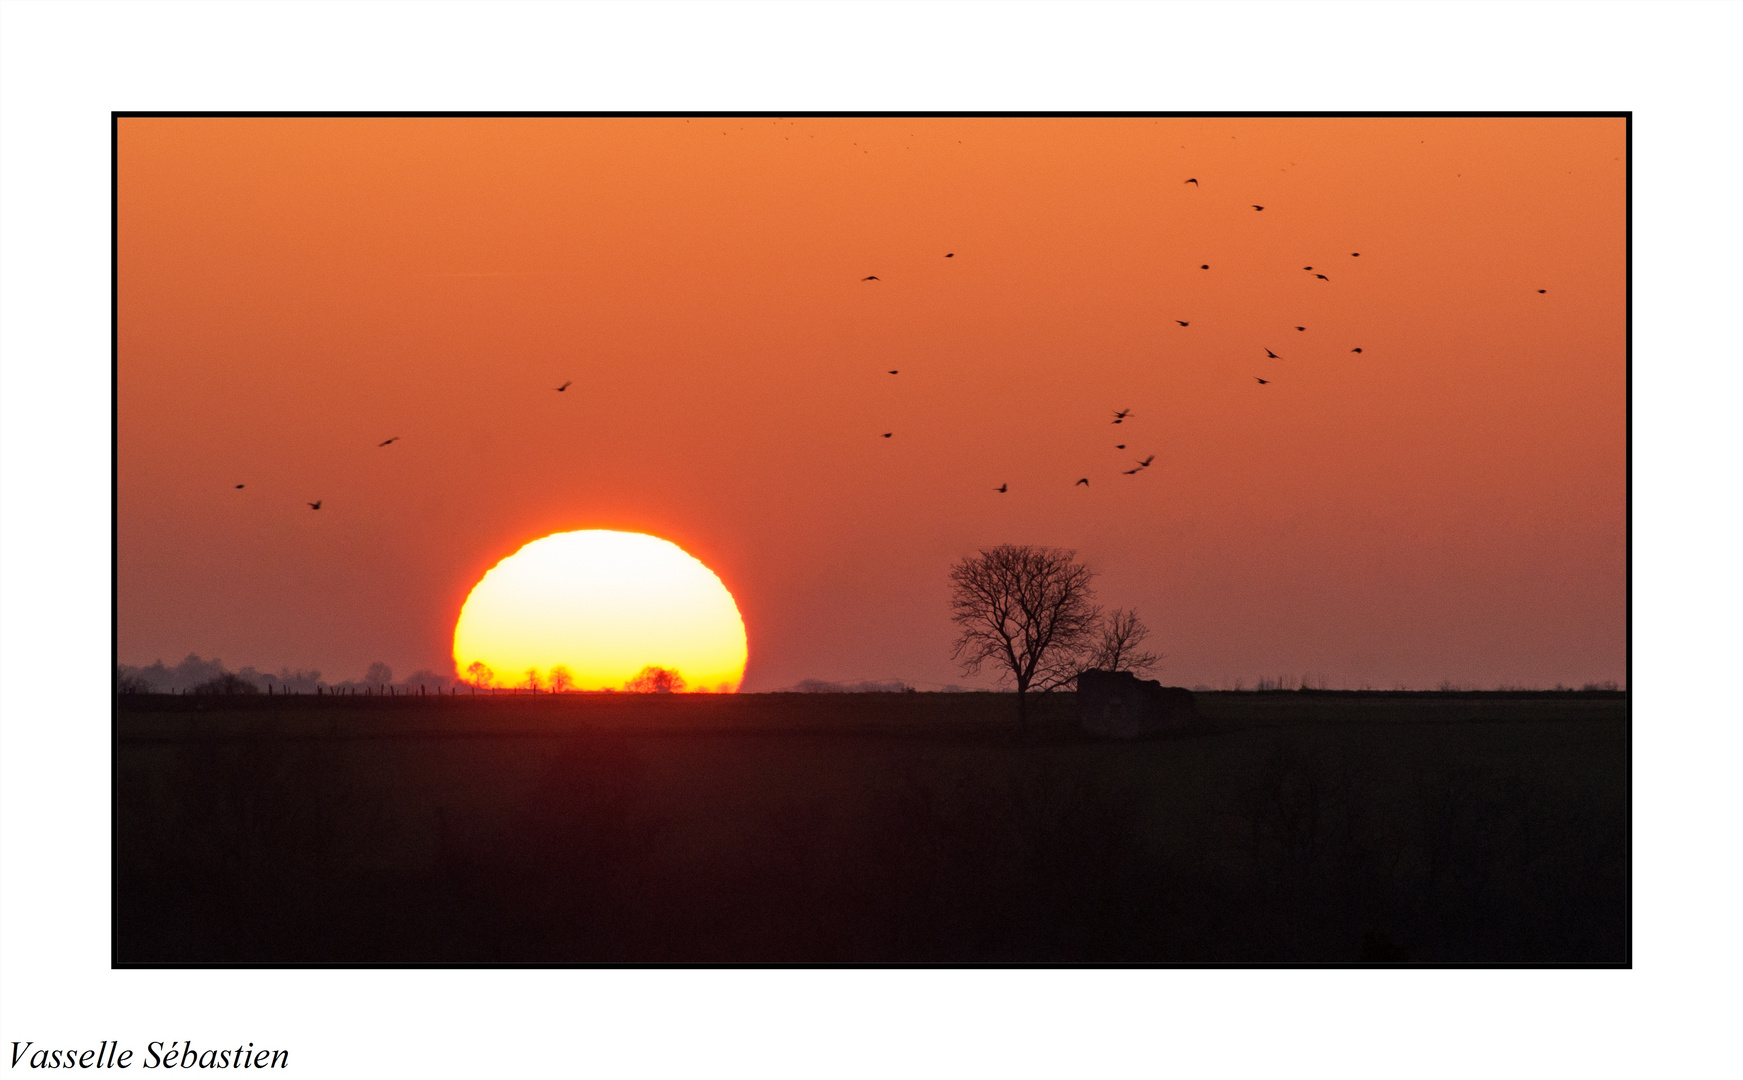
<point x="601" y="608"/>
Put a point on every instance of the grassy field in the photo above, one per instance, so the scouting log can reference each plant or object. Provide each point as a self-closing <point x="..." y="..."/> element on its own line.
<point x="910" y="828"/>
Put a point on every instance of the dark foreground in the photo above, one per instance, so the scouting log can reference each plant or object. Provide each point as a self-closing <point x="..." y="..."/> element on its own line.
<point x="905" y="828"/>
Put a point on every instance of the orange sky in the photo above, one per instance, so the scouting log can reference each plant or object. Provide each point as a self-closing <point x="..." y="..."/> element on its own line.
<point x="1446" y="505"/>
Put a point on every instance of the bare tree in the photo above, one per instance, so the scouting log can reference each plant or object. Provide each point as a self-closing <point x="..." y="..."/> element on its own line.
<point x="1117" y="644"/>
<point x="478" y="673"/>
<point x="1030" y="610"/>
<point x="532" y="681"/>
<point x="561" y="678"/>
<point x="655" y="680"/>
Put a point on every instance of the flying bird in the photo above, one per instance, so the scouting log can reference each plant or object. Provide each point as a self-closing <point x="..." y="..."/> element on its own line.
<point x="895" y="371"/>
<point x="316" y="505"/>
<point x="565" y="386"/>
<point x="1121" y="415"/>
<point x="1145" y="464"/>
<point x="1301" y="328"/>
<point x="1307" y="268"/>
<point x="1001" y="488"/>
<point x="950" y="255"/>
<point x="1543" y="290"/>
<point x="384" y="442"/>
<point x="1119" y="446"/>
<point x="887" y="434"/>
<point x="1256" y="206"/>
<point x="1272" y="355"/>
<point x="1084" y="482"/>
<point x="1182" y="322"/>
<point x="1355" y="254"/>
<point x="1206" y="266"/>
<point x="238" y="487"/>
<point x="1190" y="180"/>
<point x="1322" y="277"/>
<point x="1262" y="382"/>
<point x="1133" y="472"/>
<point x="872" y="277"/>
<point x="1358" y="349"/>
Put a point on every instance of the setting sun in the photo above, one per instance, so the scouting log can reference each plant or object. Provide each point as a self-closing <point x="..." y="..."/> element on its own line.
<point x="601" y="607"/>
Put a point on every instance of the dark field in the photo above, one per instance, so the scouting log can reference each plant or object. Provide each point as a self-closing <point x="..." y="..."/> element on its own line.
<point x="907" y="828"/>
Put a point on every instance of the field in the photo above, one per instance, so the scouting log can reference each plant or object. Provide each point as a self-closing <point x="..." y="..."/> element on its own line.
<point x="1285" y="827"/>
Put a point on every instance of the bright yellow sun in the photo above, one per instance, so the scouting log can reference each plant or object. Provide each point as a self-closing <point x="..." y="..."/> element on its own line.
<point x="600" y="608"/>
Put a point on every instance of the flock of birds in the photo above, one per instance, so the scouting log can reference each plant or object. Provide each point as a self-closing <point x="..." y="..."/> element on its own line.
<point x="1120" y="416"/>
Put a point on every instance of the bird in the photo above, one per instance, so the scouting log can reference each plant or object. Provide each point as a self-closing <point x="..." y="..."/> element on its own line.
<point x="1145" y="464"/>
<point x="1357" y="349"/>
<point x="1272" y="355"/>
<point x="1206" y="266"/>
<point x="1182" y="322"/>
<point x="1001" y="488"/>
<point x="1119" y="446"/>
<point x="1084" y="482"/>
<point x="872" y="277"/>
<point x="1307" y="268"/>
<point x="316" y="505"/>
<point x="565" y="386"/>
<point x="1262" y="382"/>
<point x="238" y="487"/>
<point x="1301" y="328"/>
<point x="1121" y="415"/>
<point x="1133" y="472"/>
<point x="1322" y="277"/>
<point x="950" y="254"/>
<point x="1256" y="206"/>
<point x="1190" y="180"/>
<point x="1543" y="290"/>
<point x="895" y="371"/>
<point x="384" y="442"/>
<point x="1355" y="254"/>
<point x="887" y="434"/>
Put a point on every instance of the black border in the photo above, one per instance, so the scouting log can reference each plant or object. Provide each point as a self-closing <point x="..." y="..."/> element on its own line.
<point x="115" y="118"/>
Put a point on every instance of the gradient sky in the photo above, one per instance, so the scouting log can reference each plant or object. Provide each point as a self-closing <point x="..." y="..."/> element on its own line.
<point x="1447" y="505"/>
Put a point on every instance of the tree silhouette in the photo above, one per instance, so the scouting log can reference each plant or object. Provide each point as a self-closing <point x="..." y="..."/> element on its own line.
<point x="560" y="678"/>
<point x="1030" y="610"/>
<point x="1116" y="644"/>
<point x="478" y="673"/>
<point x="655" y="680"/>
<point x="532" y="680"/>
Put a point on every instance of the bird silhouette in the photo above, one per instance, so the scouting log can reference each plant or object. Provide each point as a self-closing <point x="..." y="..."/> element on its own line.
<point x="1182" y="322"/>
<point x="1272" y="355"/>
<point x="1206" y="266"/>
<point x="887" y="434"/>
<point x="950" y="255"/>
<point x="1084" y="482"/>
<point x="1358" y="349"/>
<point x="872" y="277"/>
<point x="565" y="386"/>
<point x="894" y="371"/>
<point x="384" y="442"/>
<point x="316" y="505"/>
<point x="1133" y="472"/>
<point x="1301" y="328"/>
<point x="238" y="487"/>
<point x="1307" y="268"/>
<point x="1543" y="290"/>
<point x="1121" y="415"/>
<point x="1322" y="277"/>
<point x="1190" y="180"/>
<point x="1262" y="382"/>
<point x="1145" y="464"/>
<point x="1119" y="446"/>
<point x="1355" y="254"/>
<point x="1256" y="206"/>
<point x="1001" y="488"/>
